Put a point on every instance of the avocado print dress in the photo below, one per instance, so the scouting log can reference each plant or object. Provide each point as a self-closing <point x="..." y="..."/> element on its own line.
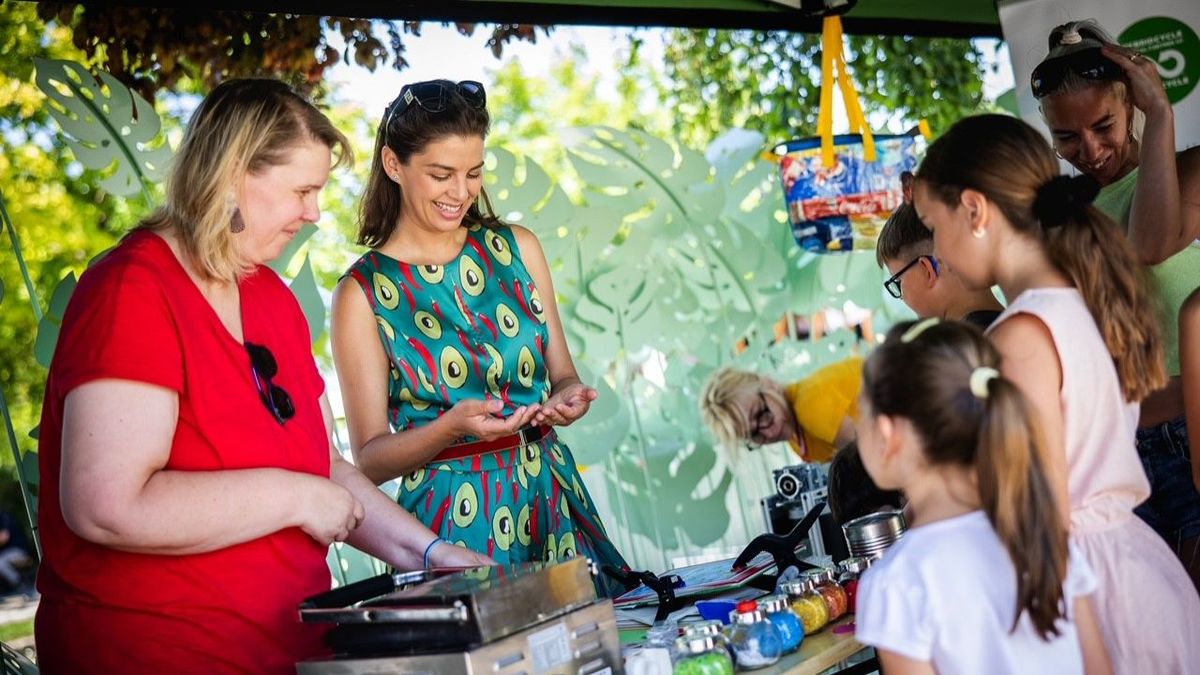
<point x="474" y="328"/>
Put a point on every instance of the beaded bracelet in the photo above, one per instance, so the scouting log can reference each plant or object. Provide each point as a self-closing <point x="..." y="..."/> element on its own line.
<point x="429" y="548"/>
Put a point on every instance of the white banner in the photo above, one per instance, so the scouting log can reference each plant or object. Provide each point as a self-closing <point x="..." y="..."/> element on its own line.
<point x="1164" y="30"/>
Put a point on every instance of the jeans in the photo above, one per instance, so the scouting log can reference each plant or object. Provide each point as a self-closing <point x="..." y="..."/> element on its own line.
<point x="1173" y="509"/>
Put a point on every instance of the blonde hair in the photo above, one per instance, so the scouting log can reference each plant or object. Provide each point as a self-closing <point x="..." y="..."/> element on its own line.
<point x="242" y="126"/>
<point x="719" y="407"/>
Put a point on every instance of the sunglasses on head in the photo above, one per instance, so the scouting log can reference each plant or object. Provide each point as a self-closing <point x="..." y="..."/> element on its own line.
<point x="433" y="96"/>
<point x="263" y="367"/>
<point x="1090" y="64"/>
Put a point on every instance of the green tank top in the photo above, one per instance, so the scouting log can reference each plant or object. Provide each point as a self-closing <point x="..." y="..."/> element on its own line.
<point x="1175" y="278"/>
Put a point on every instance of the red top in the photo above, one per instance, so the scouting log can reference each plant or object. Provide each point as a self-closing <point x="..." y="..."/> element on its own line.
<point x="136" y="315"/>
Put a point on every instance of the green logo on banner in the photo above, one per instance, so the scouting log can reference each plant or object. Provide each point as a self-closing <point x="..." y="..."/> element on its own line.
<point x="1174" y="46"/>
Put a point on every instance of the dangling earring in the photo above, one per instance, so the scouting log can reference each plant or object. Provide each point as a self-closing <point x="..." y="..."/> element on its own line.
<point x="236" y="224"/>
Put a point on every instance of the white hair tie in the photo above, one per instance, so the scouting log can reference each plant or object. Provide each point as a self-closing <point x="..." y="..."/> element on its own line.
<point x="916" y="329"/>
<point x="979" y="380"/>
<point x="1070" y="37"/>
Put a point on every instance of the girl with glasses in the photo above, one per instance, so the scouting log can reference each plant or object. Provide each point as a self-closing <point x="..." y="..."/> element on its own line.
<point x="451" y="355"/>
<point x="190" y="487"/>
<point x="1110" y="118"/>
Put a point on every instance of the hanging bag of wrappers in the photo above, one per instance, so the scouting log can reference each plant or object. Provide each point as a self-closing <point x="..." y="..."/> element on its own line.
<point x="840" y="190"/>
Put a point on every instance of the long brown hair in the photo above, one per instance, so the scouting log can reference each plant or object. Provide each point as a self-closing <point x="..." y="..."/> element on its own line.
<point x="1010" y="163"/>
<point x="927" y="380"/>
<point x="408" y="133"/>
<point x="242" y="126"/>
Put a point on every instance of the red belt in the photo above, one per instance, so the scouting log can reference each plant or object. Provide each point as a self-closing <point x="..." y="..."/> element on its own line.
<point x="524" y="436"/>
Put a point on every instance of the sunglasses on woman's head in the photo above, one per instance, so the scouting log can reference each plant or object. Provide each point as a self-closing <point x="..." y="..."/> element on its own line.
<point x="1090" y="64"/>
<point x="433" y="96"/>
<point x="263" y="367"/>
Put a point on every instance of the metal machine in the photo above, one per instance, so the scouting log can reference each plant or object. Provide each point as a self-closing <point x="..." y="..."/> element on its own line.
<point x="798" y="489"/>
<point x="529" y="619"/>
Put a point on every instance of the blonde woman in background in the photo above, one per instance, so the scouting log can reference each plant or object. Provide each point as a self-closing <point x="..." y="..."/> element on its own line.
<point x="815" y="415"/>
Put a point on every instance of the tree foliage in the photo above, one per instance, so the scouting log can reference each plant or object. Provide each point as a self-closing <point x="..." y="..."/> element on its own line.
<point x="151" y="48"/>
<point x="770" y="82"/>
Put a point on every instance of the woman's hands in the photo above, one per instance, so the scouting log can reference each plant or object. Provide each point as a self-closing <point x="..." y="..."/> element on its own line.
<point x="478" y="418"/>
<point x="567" y="404"/>
<point x="1146" y="89"/>
<point x="329" y="512"/>
<point x="448" y="555"/>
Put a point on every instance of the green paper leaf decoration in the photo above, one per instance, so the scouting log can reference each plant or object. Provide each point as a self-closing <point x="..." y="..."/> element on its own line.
<point x="593" y="437"/>
<point x="29" y="467"/>
<point x="108" y="126"/>
<point x="281" y="263"/>
<point x="51" y="323"/>
<point x="304" y="286"/>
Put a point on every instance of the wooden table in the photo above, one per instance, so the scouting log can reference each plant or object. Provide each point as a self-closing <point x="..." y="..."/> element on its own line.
<point x="819" y="652"/>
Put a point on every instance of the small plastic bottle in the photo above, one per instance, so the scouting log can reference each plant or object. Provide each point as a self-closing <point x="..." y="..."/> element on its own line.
<point x="852" y="569"/>
<point x="755" y="640"/>
<point x="807" y="604"/>
<point x="825" y="583"/>
<point x="700" y="655"/>
<point x="791" y="630"/>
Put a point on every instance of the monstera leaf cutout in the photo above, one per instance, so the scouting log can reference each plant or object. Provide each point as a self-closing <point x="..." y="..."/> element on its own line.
<point x="597" y="434"/>
<point x="106" y="125"/>
<point x="304" y="287"/>
<point x="281" y="263"/>
<point x="48" y="327"/>
<point x="665" y="185"/>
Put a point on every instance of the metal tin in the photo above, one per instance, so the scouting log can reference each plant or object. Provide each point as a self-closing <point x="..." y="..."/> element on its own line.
<point x="870" y="535"/>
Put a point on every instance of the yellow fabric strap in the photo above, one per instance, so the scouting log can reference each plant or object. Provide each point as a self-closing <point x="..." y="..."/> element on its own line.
<point x="833" y="68"/>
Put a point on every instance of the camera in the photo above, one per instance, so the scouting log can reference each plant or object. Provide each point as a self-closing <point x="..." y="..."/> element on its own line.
<point x="798" y="489"/>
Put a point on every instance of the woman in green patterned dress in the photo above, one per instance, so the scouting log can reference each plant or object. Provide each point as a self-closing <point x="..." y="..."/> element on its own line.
<point x="450" y="353"/>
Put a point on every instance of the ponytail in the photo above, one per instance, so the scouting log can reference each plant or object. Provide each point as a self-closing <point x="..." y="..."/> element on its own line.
<point x="1102" y="265"/>
<point x="943" y="377"/>
<point x="1019" y="502"/>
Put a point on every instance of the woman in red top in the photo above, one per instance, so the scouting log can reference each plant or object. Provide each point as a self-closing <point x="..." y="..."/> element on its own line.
<point x="189" y="486"/>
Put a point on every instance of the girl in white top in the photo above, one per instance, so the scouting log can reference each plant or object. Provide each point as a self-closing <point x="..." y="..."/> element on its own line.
<point x="1081" y="340"/>
<point x="982" y="581"/>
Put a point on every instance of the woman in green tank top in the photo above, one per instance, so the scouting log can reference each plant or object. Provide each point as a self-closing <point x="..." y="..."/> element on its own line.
<point x="450" y="353"/>
<point x="1092" y="94"/>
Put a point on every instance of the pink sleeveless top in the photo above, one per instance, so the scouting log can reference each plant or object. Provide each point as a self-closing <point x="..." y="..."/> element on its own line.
<point x="1105" y="479"/>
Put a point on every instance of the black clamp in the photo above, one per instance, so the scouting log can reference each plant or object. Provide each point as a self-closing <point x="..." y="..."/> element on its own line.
<point x="664" y="587"/>
<point x="782" y="548"/>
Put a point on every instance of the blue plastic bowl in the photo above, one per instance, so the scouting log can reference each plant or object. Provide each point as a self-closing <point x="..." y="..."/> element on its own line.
<point x="715" y="609"/>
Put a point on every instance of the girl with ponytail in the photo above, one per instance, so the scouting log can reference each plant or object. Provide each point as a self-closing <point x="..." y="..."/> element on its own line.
<point x="982" y="581"/>
<point x="1080" y="339"/>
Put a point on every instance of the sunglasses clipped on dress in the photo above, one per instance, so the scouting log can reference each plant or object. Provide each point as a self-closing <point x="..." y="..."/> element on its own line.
<point x="1090" y="64"/>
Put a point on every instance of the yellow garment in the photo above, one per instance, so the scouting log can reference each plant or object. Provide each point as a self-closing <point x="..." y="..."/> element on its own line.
<point x="821" y="401"/>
